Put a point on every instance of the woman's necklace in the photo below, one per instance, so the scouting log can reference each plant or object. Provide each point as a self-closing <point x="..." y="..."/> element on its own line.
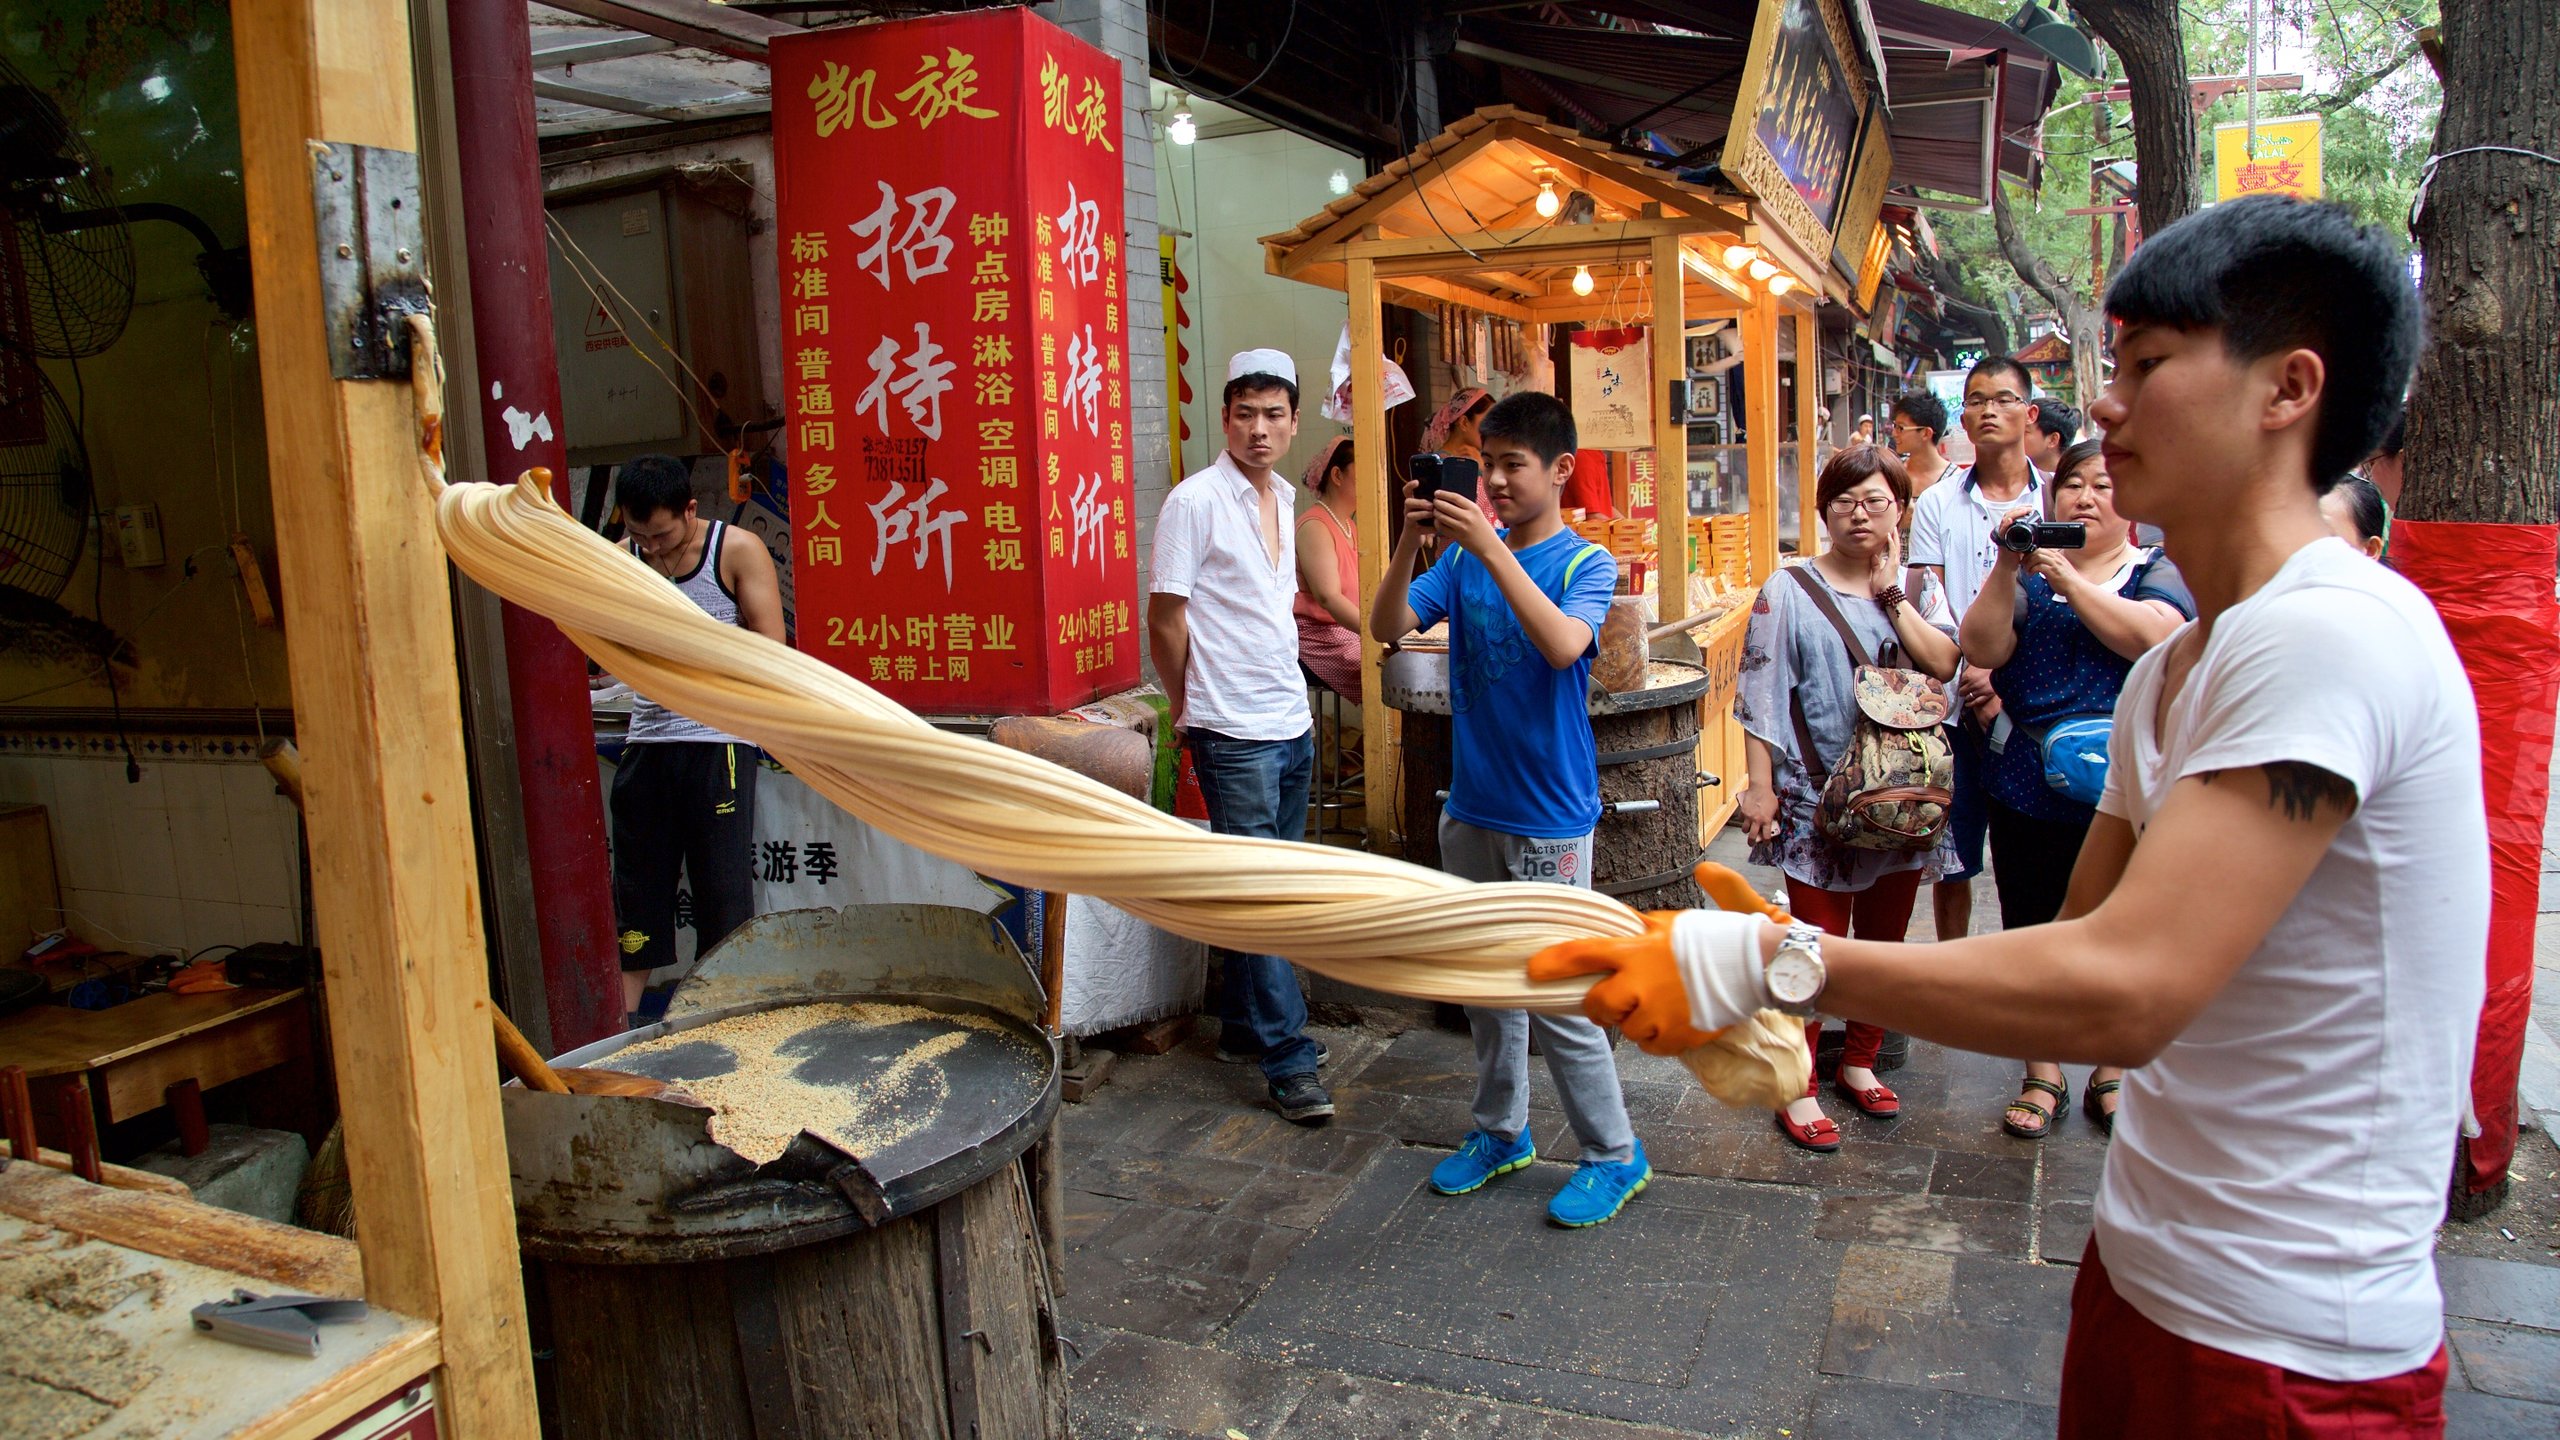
<point x="1338" y="517"/>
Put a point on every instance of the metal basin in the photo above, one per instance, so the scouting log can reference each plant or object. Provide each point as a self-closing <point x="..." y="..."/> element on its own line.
<point x="619" y="1179"/>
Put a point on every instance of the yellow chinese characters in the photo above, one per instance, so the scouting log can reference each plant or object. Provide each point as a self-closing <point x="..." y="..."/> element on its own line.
<point x="844" y="97"/>
<point x="944" y="87"/>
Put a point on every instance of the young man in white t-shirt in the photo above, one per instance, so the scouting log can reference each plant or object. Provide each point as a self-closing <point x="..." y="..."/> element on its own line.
<point x="1919" y="421"/>
<point x="1225" y="645"/>
<point x="1951" y="539"/>
<point x="2281" y="912"/>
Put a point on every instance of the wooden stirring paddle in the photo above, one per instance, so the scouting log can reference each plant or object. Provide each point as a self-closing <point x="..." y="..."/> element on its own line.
<point x="527" y="1065"/>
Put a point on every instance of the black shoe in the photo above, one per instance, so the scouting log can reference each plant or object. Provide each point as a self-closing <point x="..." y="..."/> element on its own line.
<point x="1302" y="1099"/>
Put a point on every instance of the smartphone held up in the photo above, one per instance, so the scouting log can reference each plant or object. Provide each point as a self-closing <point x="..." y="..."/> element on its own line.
<point x="1434" y="473"/>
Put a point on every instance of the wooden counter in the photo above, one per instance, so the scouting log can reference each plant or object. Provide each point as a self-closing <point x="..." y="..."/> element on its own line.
<point x="133" y="1052"/>
<point x="200" y="1387"/>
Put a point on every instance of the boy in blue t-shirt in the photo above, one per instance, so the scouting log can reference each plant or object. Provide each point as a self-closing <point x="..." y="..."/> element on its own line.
<point x="1524" y="606"/>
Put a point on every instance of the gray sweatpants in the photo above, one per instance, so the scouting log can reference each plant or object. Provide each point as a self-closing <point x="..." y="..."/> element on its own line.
<point x="1577" y="1051"/>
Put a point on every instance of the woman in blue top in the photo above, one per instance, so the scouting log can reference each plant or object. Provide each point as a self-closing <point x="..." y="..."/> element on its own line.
<point x="2059" y="643"/>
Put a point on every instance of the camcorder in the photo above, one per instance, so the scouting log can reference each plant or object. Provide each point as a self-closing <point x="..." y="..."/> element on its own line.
<point x="2025" y="537"/>
<point x="1435" y="473"/>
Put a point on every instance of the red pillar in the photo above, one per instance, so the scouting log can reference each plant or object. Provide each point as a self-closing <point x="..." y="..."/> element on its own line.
<point x="520" y="375"/>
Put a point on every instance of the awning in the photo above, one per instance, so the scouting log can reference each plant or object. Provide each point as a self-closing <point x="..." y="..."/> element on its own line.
<point x="1680" y="87"/>
<point x="1965" y="90"/>
<point x="1961" y="91"/>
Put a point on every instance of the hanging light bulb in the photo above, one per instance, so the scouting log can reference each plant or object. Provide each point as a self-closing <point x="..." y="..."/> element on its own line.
<point x="1182" y="131"/>
<point x="1338" y="182"/>
<point x="1737" y="256"/>
<point x="1550" y="204"/>
<point x="1782" y="283"/>
<point x="1761" y="270"/>
<point x="1581" y="279"/>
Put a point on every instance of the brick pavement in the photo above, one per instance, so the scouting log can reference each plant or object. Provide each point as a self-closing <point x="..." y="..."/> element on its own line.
<point x="1233" y="1275"/>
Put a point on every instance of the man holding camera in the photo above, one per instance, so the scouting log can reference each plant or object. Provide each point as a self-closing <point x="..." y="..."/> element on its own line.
<point x="1225" y="644"/>
<point x="1954" y="537"/>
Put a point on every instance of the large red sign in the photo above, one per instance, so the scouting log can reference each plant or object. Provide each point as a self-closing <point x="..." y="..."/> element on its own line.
<point x="955" y="351"/>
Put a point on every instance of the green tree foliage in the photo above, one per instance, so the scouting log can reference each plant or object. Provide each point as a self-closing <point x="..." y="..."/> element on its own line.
<point x="2362" y="74"/>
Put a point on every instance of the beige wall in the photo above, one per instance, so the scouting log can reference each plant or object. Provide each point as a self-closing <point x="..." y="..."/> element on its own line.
<point x="173" y="420"/>
<point x="1230" y="192"/>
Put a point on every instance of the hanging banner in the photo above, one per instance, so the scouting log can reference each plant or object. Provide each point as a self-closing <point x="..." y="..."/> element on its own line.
<point x="949" y="213"/>
<point x="1613" y="389"/>
<point x="2285" y="162"/>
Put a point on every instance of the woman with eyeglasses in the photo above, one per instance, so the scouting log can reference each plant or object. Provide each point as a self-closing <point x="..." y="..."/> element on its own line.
<point x="2059" y="629"/>
<point x="1796" y="685"/>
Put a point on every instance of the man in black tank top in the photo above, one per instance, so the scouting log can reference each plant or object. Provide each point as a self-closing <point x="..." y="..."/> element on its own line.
<point x="684" y="797"/>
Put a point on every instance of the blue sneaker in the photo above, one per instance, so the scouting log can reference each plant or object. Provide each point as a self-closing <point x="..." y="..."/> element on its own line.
<point x="1599" y="1189"/>
<point x="1479" y="1159"/>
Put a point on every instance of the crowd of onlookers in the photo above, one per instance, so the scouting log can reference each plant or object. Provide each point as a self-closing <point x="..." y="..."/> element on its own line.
<point x="2032" y="640"/>
<point x="1993" y="608"/>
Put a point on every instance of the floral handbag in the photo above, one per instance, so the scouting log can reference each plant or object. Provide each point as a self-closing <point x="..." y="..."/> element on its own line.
<point x="1892" y="788"/>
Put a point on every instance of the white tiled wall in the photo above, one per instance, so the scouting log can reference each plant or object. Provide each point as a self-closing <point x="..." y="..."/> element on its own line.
<point x="201" y="852"/>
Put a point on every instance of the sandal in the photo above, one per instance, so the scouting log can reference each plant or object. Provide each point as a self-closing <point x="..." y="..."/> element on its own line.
<point x="1878" y="1101"/>
<point x="2104" y="1119"/>
<point x="1820" y="1136"/>
<point x="2044" y="1115"/>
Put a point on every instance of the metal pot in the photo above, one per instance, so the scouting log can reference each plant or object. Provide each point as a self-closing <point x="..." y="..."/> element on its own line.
<point x="1416" y="678"/>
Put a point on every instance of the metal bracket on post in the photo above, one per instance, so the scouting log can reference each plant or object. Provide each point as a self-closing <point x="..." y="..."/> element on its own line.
<point x="373" y="261"/>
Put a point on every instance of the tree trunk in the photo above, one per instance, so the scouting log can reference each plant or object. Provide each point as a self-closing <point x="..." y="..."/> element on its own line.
<point x="2479" y="502"/>
<point x="2484" y="416"/>
<point x="2144" y="34"/>
<point x="2082" y="321"/>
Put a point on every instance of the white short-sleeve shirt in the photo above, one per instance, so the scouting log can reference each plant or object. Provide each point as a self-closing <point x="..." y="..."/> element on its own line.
<point x="1243" y="679"/>
<point x="2278" y="1172"/>
<point x="1951" y="529"/>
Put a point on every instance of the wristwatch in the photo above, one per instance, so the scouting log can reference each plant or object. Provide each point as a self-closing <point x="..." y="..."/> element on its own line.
<point x="1795" y="975"/>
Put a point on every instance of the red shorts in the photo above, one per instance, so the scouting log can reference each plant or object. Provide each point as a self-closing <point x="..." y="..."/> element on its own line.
<point x="2123" y="1376"/>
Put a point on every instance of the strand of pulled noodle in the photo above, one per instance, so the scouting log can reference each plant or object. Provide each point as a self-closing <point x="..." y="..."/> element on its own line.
<point x="1360" y="918"/>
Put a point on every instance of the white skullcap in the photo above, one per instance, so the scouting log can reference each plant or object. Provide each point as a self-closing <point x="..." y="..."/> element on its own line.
<point x="1263" y="362"/>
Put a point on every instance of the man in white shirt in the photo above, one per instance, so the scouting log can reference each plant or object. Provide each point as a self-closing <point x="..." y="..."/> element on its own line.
<point x="1226" y="649"/>
<point x="1951" y="538"/>
<point x="1919" y="437"/>
<point x="2281" y="912"/>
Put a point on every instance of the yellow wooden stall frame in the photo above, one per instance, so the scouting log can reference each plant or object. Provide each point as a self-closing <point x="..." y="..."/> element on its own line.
<point x="1456" y="223"/>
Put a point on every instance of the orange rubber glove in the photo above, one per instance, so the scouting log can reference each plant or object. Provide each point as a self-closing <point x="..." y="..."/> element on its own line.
<point x="1643" y="993"/>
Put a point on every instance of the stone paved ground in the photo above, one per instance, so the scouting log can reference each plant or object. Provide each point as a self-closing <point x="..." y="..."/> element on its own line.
<point x="1232" y="1275"/>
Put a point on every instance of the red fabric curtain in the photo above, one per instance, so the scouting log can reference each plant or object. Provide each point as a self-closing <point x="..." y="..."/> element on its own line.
<point x="2492" y="584"/>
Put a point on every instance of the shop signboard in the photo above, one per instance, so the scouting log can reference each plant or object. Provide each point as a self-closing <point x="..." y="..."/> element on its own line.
<point x="1803" y="89"/>
<point x="2285" y="161"/>
<point x="955" y="352"/>
<point x="1853" y="237"/>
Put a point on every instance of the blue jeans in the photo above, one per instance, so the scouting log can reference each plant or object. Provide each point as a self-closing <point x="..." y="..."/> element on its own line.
<point x="1259" y="788"/>
<point x="1969" y="818"/>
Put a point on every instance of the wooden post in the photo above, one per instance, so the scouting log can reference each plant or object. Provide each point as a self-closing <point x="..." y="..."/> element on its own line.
<point x="1760" y="425"/>
<point x="1670" y="433"/>
<point x="1808" y="440"/>
<point x="1381" y="775"/>
<point x="378" y="712"/>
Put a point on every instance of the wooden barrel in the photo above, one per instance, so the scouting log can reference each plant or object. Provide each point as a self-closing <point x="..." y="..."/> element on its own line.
<point x="939" y="1325"/>
<point x="1644" y="856"/>
<point x="1648" y="744"/>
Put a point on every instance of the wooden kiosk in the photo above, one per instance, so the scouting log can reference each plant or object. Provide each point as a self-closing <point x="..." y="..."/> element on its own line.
<point x="1457" y="223"/>
<point x="327" y="110"/>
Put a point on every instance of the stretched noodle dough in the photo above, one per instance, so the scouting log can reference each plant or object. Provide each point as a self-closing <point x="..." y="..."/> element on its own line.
<point x="1365" y="919"/>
